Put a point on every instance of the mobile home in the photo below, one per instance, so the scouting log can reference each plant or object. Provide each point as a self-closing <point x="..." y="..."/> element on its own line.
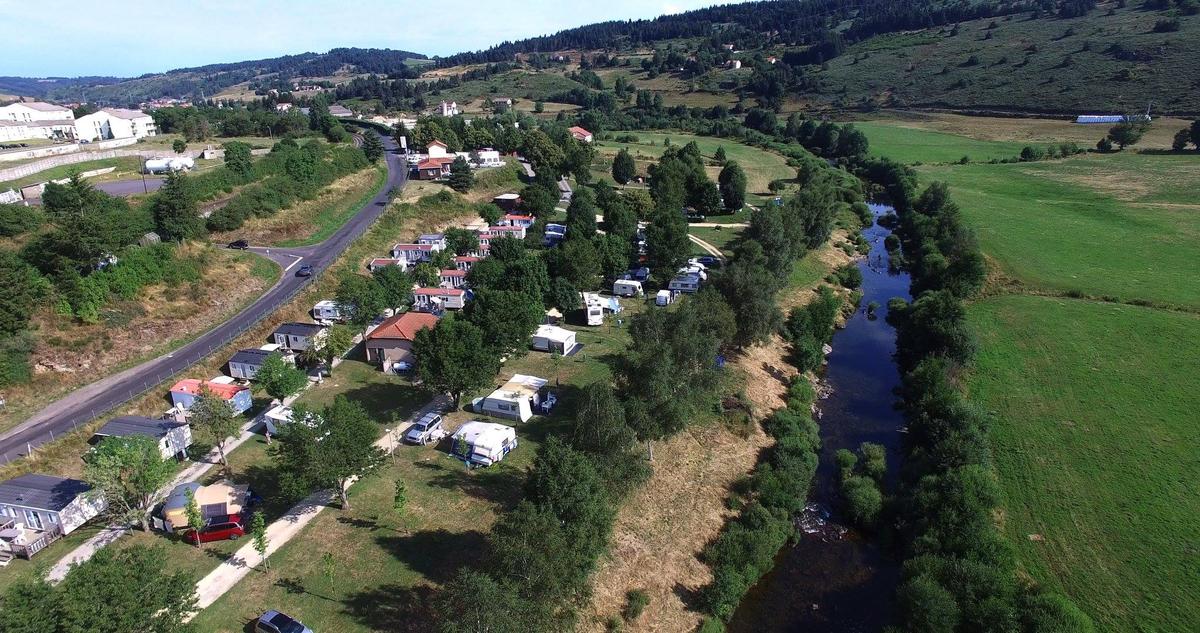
<point x="515" y="399"/>
<point x="627" y="288"/>
<point x="550" y="338"/>
<point x="483" y="443"/>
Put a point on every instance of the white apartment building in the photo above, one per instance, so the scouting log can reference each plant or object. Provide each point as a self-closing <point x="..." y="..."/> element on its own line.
<point x="110" y="123"/>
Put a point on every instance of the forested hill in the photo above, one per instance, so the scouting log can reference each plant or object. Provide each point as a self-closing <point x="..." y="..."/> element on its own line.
<point x="212" y="78"/>
<point x="826" y="25"/>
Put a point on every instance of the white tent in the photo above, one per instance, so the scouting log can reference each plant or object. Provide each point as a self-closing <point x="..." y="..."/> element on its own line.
<point x="483" y="443"/>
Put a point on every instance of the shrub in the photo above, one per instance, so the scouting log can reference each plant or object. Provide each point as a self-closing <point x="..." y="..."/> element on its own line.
<point x="862" y="500"/>
<point x="849" y="276"/>
<point x="636" y="601"/>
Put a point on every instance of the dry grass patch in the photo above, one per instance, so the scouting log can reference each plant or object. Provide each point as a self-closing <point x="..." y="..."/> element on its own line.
<point x="1024" y="129"/>
<point x="301" y="221"/>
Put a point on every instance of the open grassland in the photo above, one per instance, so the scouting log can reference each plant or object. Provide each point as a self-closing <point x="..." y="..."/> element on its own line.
<point x="761" y="166"/>
<point x="1095" y="439"/>
<point x="1023" y="131"/>
<point x="1122" y="226"/>
<point x="124" y="167"/>
<point x="913" y="145"/>
<point x="1042" y="65"/>
<point x="520" y="85"/>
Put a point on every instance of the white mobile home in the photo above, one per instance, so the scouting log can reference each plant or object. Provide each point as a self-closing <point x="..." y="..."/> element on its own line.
<point x="627" y="288"/>
<point x="483" y="443"/>
<point x="664" y="298"/>
<point x="173" y="437"/>
<point x="515" y="399"/>
<point x="550" y="338"/>
<point x="438" y="299"/>
<point x="36" y="510"/>
<point x="298" y="337"/>
<point x="328" y="311"/>
<point x="687" y="282"/>
<point x="246" y="363"/>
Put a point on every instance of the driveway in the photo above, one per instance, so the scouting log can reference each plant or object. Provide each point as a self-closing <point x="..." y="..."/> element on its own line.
<point x="93" y="400"/>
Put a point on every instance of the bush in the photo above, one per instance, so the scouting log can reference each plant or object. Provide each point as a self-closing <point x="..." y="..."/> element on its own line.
<point x="862" y="500"/>
<point x="16" y="219"/>
<point x="636" y="601"/>
<point x="849" y="276"/>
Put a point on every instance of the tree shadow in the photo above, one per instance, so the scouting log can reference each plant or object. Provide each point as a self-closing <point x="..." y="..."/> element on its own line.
<point x="393" y="608"/>
<point x="499" y="484"/>
<point x="386" y="402"/>
<point x="435" y="554"/>
<point x="296" y="586"/>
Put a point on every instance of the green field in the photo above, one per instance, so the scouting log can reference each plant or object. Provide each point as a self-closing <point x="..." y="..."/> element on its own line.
<point x="761" y="166"/>
<point x="909" y="145"/>
<point x="1095" y="440"/>
<point x="1120" y="225"/>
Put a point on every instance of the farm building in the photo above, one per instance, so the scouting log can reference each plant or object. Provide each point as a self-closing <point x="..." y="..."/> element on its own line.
<point x="390" y="344"/>
<point x="483" y="443"/>
<point x="173" y="437"/>
<point x="550" y="338"/>
<point x="36" y="510"/>
<point x="184" y="393"/>
<point x="515" y="399"/>
<point x="581" y="134"/>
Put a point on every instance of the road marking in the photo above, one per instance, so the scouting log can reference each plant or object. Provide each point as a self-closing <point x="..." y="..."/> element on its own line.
<point x="298" y="258"/>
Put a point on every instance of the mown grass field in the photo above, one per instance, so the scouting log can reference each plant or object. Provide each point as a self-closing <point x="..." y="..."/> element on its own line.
<point x="909" y="145"/>
<point x="1095" y="440"/>
<point x="1119" y="225"/>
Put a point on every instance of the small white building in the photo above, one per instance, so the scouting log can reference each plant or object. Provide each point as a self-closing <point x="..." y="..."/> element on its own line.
<point x="551" y="338"/>
<point x="173" y="437"/>
<point x="438" y="299"/>
<point x="627" y="288"/>
<point x="433" y="239"/>
<point x="245" y="363"/>
<point x="298" y="337"/>
<point x="383" y="262"/>
<point x="110" y="123"/>
<point x="515" y="399"/>
<point x="449" y="109"/>
<point x="437" y="149"/>
<point x="664" y="298"/>
<point x="415" y="253"/>
<point x="486" y="158"/>
<point x="452" y="278"/>
<point x="483" y="443"/>
<point x="328" y="310"/>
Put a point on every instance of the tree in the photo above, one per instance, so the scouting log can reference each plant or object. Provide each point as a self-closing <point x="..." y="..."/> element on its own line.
<point x="719" y="155"/>
<point x="395" y="285"/>
<point x="461" y="241"/>
<point x="127" y="472"/>
<point x="1128" y="132"/>
<point x="453" y="357"/>
<point x="179" y="145"/>
<point x="1104" y="145"/>
<point x="732" y="183"/>
<point x="581" y="215"/>
<point x="1194" y="133"/>
<point x="124" y="589"/>
<point x="600" y="425"/>
<point x="176" y="216"/>
<point x="624" y="169"/>
<point x="538" y="200"/>
<point x="1181" y="140"/>
<point x="563" y="295"/>
<point x="238" y="159"/>
<point x="749" y="287"/>
<point x="337" y="340"/>
<point x="507" y="319"/>
<point x="279" y="378"/>
<point x="30" y="606"/>
<point x="577" y="261"/>
<point x="332" y="447"/>
<point x="490" y="214"/>
<point x="667" y="244"/>
<point x="399" y="497"/>
<point x="926" y="606"/>
<point x="258" y="534"/>
<point x="213" y="419"/>
<point x="361" y="299"/>
<point x="195" y="519"/>
<point x="426" y="275"/>
<point x="461" y="177"/>
<point x="23" y="287"/>
<point x="372" y="147"/>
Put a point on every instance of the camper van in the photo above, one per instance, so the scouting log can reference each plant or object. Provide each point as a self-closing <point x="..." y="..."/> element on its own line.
<point x="664" y="298"/>
<point x="328" y="311"/>
<point x="483" y="443"/>
<point x="627" y="288"/>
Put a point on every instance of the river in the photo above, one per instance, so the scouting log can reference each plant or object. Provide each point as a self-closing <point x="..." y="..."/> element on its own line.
<point x="833" y="578"/>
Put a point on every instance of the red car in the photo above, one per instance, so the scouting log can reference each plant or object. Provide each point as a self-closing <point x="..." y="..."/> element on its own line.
<point x="218" y="529"/>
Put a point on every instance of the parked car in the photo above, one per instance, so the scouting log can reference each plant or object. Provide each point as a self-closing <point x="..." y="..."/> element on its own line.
<point x="427" y="429"/>
<point x="275" y="622"/>
<point x="708" y="261"/>
<point x="304" y="271"/>
<point x="220" y="528"/>
<point x="240" y="245"/>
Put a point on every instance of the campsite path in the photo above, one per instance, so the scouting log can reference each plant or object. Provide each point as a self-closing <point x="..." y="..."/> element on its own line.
<point x="236" y="567"/>
<point x="111" y="533"/>
<point x="713" y="250"/>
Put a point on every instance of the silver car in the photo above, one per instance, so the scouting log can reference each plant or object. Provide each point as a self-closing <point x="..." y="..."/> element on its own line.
<point x="425" y="430"/>
<point x="276" y="622"/>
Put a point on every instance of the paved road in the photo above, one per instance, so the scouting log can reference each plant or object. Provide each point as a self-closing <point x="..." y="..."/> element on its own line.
<point x="95" y="399"/>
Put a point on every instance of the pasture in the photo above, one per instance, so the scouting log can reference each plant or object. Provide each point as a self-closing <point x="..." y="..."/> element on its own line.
<point x="761" y="166"/>
<point x="1094" y="434"/>
<point x="910" y="145"/>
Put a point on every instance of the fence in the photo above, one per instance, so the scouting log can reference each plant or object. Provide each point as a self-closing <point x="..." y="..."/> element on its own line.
<point x="21" y="171"/>
<point x="188" y="357"/>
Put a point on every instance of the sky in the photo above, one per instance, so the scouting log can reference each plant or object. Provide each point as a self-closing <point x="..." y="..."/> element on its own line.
<point x="126" y="38"/>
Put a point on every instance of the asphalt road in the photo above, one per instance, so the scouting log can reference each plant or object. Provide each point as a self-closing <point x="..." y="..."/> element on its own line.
<point x="95" y="399"/>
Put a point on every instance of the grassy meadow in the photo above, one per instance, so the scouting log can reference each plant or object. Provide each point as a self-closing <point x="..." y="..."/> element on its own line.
<point x="1093" y="398"/>
<point x="910" y="145"/>
<point x="1095" y="441"/>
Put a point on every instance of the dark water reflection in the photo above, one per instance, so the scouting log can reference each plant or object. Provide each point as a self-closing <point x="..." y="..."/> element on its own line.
<point x="834" y="579"/>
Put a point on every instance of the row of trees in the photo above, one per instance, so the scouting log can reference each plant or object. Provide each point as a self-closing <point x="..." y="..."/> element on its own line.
<point x="959" y="575"/>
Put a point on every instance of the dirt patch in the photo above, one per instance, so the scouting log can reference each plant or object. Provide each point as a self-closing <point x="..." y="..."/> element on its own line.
<point x="666" y="523"/>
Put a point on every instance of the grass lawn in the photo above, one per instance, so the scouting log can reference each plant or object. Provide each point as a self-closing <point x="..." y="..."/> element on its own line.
<point x="388" y="565"/>
<point x="761" y="166"/>
<point x="909" y="145"/>
<point x="1095" y="442"/>
<point x="125" y="167"/>
<point x="723" y="238"/>
<point x="1122" y="225"/>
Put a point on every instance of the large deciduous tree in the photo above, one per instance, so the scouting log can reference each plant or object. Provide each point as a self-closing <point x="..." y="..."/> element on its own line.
<point x="127" y="472"/>
<point x="279" y="378"/>
<point x="453" y="357"/>
<point x="327" y="448"/>
<point x="123" y="589"/>
<point x="732" y="182"/>
<point x="213" y="420"/>
<point x="624" y="169"/>
<point x="507" y="319"/>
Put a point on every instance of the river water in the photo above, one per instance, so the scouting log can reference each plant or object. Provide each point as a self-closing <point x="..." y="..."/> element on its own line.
<point x="835" y="579"/>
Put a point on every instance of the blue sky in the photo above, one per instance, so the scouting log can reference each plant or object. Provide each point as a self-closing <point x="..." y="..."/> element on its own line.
<point x="132" y="37"/>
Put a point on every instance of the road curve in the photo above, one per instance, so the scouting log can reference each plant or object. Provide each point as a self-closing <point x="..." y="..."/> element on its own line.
<point x="90" y="401"/>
